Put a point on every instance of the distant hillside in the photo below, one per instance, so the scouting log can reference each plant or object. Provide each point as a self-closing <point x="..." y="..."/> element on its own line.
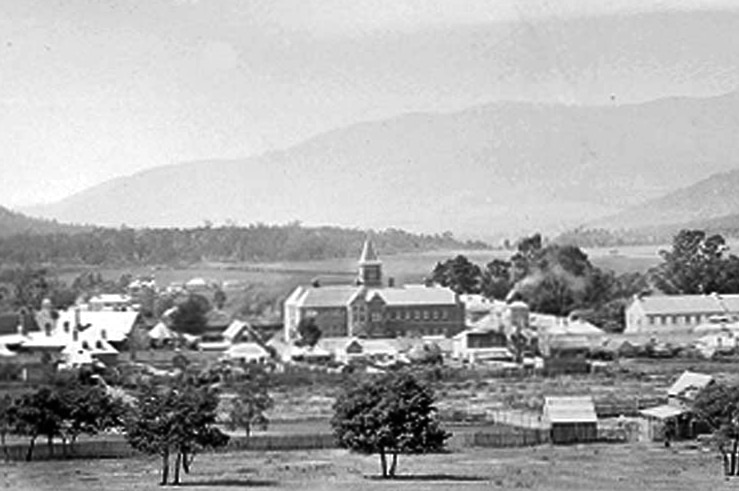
<point x="13" y="223"/>
<point x="256" y="243"/>
<point x="700" y="203"/>
<point x="496" y="170"/>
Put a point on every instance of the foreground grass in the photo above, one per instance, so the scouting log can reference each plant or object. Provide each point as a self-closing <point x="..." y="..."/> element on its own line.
<point x="617" y="467"/>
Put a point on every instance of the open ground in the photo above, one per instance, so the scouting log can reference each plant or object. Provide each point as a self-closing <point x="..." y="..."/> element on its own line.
<point x="582" y="467"/>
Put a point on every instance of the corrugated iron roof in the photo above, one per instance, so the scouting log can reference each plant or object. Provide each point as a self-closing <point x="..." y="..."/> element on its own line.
<point x="689" y="384"/>
<point x="687" y="304"/>
<point x="415" y="295"/>
<point x="663" y="412"/>
<point x="570" y="409"/>
<point x="326" y="296"/>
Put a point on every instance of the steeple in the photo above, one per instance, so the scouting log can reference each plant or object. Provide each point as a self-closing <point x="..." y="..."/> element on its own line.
<point x="370" y="266"/>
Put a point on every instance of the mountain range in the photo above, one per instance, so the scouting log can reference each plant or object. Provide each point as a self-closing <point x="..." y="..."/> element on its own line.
<point x="488" y="171"/>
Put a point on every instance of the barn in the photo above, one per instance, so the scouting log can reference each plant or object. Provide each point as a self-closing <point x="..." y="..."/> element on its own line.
<point x="571" y="419"/>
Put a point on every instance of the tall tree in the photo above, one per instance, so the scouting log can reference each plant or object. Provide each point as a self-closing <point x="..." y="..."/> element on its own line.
<point x="496" y="279"/>
<point x="190" y="316"/>
<point x="388" y="415"/>
<point x="459" y="274"/>
<point x="694" y="265"/>
<point x="175" y="419"/>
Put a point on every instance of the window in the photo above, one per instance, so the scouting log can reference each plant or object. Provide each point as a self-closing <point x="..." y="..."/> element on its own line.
<point x="444" y="314"/>
<point x="416" y="315"/>
<point x="651" y="320"/>
<point x="435" y="315"/>
<point x="663" y="319"/>
<point x="425" y="315"/>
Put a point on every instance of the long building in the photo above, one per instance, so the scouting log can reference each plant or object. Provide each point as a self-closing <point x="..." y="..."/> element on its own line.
<point x="370" y="308"/>
<point x="663" y="313"/>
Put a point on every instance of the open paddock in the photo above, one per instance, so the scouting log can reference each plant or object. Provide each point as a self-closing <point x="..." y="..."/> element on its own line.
<point x="579" y="467"/>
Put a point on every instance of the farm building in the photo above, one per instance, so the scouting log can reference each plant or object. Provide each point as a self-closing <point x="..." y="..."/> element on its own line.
<point x="248" y="352"/>
<point x="675" y="419"/>
<point x="571" y="419"/>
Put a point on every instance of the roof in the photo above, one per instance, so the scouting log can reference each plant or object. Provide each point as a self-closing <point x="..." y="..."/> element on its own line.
<point x="248" y="350"/>
<point x="326" y="296"/>
<point x="574" y="328"/>
<point x="161" y="331"/>
<point x="234" y="329"/>
<point x="110" y="298"/>
<point x="117" y="325"/>
<point x="663" y="412"/>
<point x="689" y="384"/>
<point x="415" y="295"/>
<point x="688" y="304"/>
<point x="369" y="255"/>
<point x="570" y="409"/>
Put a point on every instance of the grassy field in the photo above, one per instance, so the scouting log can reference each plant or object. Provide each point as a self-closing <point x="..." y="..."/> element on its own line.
<point x="597" y="466"/>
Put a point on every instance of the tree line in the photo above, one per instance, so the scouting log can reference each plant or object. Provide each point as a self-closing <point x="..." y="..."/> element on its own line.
<point x="254" y="243"/>
<point x="559" y="279"/>
<point x="176" y="417"/>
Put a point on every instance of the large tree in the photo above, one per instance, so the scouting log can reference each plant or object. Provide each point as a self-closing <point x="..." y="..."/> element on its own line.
<point x="175" y="419"/>
<point x="718" y="406"/>
<point x="38" y="413"/>
<point x="388" y="415"/>
<point x="190" y="315"/>
<point x="246" y="390"/>
<point x="696" y="264"/>
<point x="459" y="274"/>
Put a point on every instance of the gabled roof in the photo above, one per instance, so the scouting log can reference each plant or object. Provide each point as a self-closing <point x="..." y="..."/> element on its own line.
<point x="415" y="295"/>
<point x="686" y="304"/>
<point x="326" y="296"/>
<point x="689" y="384"/>
<point x="570" y="409"/>
<point x="369" y="256"/>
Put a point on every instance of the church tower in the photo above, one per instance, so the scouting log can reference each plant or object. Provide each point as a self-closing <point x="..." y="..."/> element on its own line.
<point x="370" y="266"/>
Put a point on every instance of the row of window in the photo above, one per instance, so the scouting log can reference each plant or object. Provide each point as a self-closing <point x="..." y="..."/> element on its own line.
<point x="674" y="319"/>
<point x="417" y="315"/>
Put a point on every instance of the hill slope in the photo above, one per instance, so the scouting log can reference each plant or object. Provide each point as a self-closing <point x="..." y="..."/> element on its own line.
<point x="504" y="168"/>
<point x="709" y="203"/>
<point x="14" y="223"/>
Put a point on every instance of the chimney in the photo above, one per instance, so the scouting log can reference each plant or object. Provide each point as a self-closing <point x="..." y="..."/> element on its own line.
<point x="75" y="335"/>
<point x="391" y="282"/>
<point x="77" y="317"/>
<point x="66" y="327"/>
<point x="103" y="335"/>
<point x="47" y="329"/>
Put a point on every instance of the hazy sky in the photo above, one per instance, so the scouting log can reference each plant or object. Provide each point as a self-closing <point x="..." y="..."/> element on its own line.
<point x="93" y="89"/>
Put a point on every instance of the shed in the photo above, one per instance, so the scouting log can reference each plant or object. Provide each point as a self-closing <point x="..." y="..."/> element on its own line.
<point x="687" y="386"/>
<point x="571" y="419"/>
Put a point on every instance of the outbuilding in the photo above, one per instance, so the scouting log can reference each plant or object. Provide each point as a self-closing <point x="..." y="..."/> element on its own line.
<point x="571" y="419"/>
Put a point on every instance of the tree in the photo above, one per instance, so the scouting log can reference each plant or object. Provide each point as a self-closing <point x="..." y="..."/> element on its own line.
<point x="6" y="403"/>
<point x="86" y="407"/>
<point x="388" y="415"/>
<point x="718" y="406"/>
<point x="308" y="332"/>
<point x="694" y="265"/>
<point x="190" y="316"/>
<point x="248" y="387"/>
<point x="496" y="279"/>
<point x="177" y="418"/>
<point x="39" y="413"/>
<point x="459" y="274"/>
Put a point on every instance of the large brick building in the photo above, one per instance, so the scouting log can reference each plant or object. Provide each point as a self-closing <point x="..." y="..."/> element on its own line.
<point x="372" y="309"/>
